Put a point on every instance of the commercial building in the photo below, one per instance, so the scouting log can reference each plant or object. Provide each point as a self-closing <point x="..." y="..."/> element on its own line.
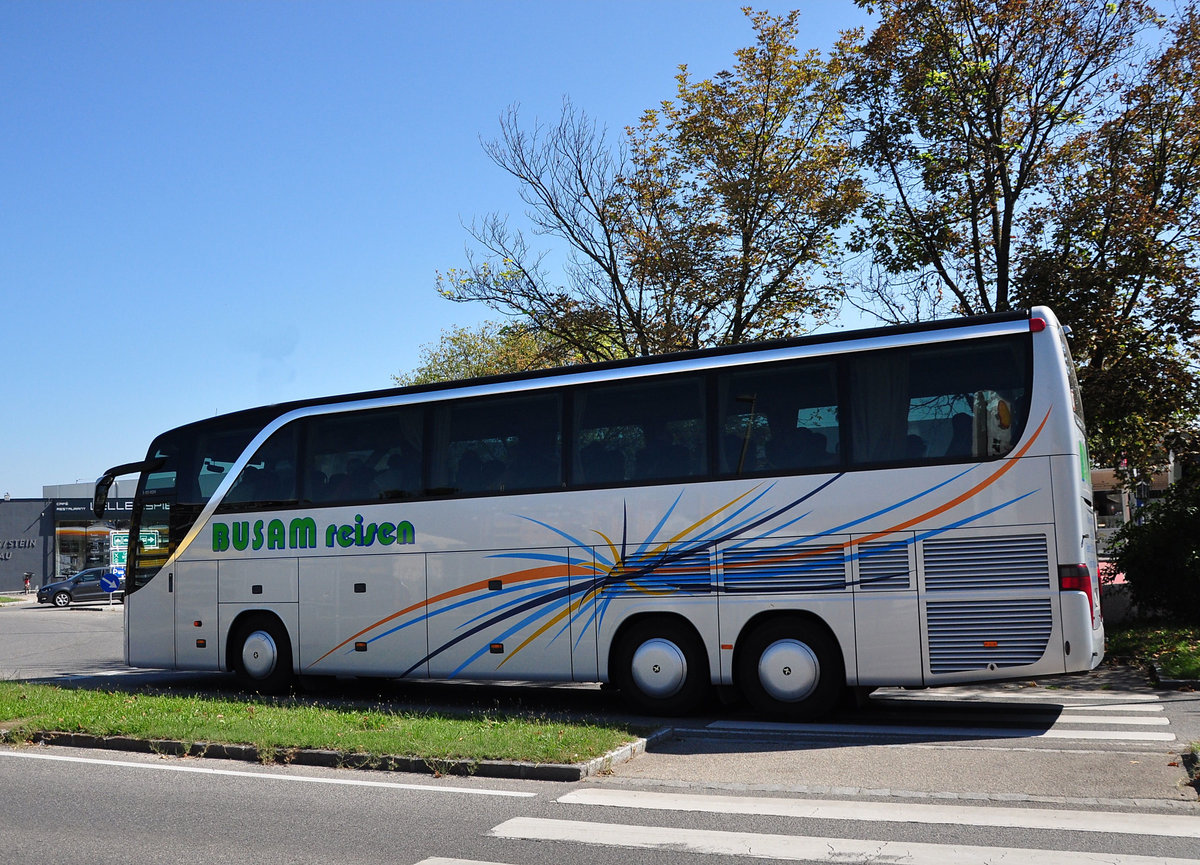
<point x="57" y="535"/>
<point x="1117" y="501"/>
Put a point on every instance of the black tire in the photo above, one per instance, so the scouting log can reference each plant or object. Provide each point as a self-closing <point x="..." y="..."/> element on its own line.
<point x="62" y="599"/>
<point x="792" y="669"/>
<point x="261" y="655"/>
<point x="661" y="668"/>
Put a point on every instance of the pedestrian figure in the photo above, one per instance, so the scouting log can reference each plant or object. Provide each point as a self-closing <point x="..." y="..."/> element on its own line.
<point x="27" y="576"/>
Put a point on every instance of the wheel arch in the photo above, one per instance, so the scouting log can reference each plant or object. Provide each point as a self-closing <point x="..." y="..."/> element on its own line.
<point x="244" y="618"/>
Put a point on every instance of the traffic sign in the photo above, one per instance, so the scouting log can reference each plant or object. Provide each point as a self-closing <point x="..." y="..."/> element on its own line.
<point x="110" y="583"/>
<point x="120" y="540"/>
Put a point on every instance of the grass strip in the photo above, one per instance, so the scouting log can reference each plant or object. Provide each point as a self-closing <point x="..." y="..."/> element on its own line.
<point x="1173" y="648"/>
<point x="26" y="710"/>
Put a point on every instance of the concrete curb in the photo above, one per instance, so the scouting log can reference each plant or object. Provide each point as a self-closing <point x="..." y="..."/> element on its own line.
<point x="506" y="769"/>
<point x="1170" y="684"/>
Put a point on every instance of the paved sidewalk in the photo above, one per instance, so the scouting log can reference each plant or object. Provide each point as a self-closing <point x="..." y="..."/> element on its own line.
<point x="19" y="597"/>
<point x="1143" y="774"/>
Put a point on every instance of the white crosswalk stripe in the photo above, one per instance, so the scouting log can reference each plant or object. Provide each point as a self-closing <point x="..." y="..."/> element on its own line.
<point x="1053" y="732"/>
<point x="1041" y="695"/>
<point x="1115" y="720"/>
<point x="795" y="848"/>
<point x="1165" y="825"/>
<point x="1092" y="716"/>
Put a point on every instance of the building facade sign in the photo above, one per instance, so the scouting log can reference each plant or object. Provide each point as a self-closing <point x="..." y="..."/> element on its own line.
<point x="26" y="543"/>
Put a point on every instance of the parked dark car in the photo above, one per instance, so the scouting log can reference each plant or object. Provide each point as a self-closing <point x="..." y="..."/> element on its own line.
<point x="83" y="586"/>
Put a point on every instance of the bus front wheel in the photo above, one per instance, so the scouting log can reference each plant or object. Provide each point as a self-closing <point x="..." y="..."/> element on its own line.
<point x="262" y="655"/>
<point x="661" y="668"/>
<point x="792" y="669"/>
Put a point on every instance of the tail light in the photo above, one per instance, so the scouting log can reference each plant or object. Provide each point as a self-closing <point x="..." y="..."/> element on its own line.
<point x="1077" y="578"/>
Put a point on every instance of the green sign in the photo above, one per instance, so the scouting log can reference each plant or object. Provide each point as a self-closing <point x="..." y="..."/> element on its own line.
<point x="120" y="540"/>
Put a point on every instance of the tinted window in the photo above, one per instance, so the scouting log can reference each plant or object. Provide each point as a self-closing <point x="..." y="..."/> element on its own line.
<point x="270" y="476"/>
<point x="781" y="418"/>
<point x="640" y="431"/>
<point x="363" y="456"/>
<point x="502" y="444"/>
<point x="195" y="459"/>
<point x="962" y="401"/>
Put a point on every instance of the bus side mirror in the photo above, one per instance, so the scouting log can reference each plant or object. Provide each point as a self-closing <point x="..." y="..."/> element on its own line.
<point x="100" y="496"/>
<point x="105" y="481"/>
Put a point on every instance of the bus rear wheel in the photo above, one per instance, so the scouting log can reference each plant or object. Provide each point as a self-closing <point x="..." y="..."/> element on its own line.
<point x="661" y="668"/>
<point x="792" y="669"/>
<point x="262" y="655"/>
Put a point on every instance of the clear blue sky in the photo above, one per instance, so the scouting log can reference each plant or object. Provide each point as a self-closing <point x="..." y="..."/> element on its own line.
<point x="207" y="206"/>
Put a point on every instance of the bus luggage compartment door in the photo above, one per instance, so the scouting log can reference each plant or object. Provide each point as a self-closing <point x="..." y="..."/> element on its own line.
<point x="887" y="621"/>
<point x="496" y="616"/>
<point x="196" y="633"/>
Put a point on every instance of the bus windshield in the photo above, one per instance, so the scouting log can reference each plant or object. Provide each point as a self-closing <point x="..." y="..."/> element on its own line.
<point x="185" y="467"/>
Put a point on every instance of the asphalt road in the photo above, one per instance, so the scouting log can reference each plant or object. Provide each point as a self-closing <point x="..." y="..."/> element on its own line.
<point x="1055" y="751"/>
<point x="69" y="806"/>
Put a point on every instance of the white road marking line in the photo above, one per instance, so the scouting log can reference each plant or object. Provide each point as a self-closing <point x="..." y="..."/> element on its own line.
<point x="1119" y="720"/>
<point x="308" y="779"/>
<point x="1041" y="695"/>
<point x="1165" y="825"/>
<point x="956" y="732"/>
<point x="1119" y="707"/>
<point x="798" y="847"/>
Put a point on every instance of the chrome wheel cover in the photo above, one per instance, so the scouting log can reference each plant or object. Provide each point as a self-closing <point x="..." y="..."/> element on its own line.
<point x="659" y="668"/>
<point x="259" y="655"/>
<point x="789" y="670"/>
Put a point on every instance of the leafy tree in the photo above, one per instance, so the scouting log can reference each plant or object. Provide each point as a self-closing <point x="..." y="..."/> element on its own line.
<point x="490" y="348"/>
<point x="708" y="224"/>
<point x="1114" y="249"/>
<point x="1036" y="151"/>
<point x="963" y="108"/>
<point x="1159" y="553"/>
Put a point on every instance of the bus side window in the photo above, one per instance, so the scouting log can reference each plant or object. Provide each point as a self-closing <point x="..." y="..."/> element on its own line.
<point x="270" y="476"/>
<point x="962" y="436"/>
<point x="503" y="443"/>
<point x="640" y="430"/>
<point x="364" y="456"/>
<point x="778" y="419"/>
<point x="401" y="479"/>
<point x="937" y="403"/>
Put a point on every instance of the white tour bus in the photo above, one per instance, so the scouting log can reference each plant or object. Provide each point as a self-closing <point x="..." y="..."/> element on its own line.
<point x="898" y="506"/>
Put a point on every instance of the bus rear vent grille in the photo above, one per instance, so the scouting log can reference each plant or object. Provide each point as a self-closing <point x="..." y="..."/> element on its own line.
<point x="809" y="568"/>
<point x="883" y="566"/>
<point x="1014" y="562"/>
<point x="980" y="635"/>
